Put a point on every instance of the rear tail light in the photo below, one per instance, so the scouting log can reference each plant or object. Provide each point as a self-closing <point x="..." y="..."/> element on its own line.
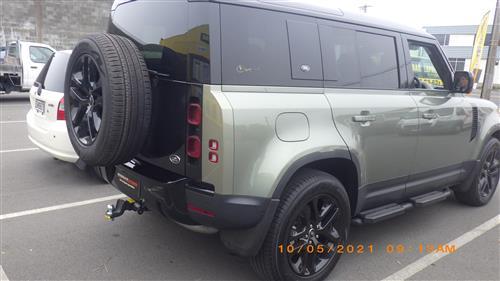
<point x="60" y="110"/>
<point x="194" y="114"/>
<point x="194" y="147"/>
<point x="193" y="141"/>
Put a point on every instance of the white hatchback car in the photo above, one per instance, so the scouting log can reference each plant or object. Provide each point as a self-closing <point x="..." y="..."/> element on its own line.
<point x="46" y="121"/>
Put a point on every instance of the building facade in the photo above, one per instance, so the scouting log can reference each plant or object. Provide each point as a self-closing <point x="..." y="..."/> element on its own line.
<point x="457" y="43"/>
<point x="59" y="23"/>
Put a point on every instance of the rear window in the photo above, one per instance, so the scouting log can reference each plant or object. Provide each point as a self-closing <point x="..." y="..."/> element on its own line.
<point x="53" y="73"/>
<point x="40" y="54"/>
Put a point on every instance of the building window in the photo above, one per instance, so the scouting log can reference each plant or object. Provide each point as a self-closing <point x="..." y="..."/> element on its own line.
<point x="443" y="39"/>
<point x="457" y="64"/>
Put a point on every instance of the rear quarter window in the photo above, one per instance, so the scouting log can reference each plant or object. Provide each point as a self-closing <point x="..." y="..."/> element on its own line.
<point x="268" y="48"/>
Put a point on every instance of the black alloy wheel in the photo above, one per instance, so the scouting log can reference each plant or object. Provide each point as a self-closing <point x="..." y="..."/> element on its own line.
<point x="489" y="175"/>
<point x="309" y="230"/>
<point x="86" y="100"/>
<point x="315" y="227"/>
<point x="483" y="181"/>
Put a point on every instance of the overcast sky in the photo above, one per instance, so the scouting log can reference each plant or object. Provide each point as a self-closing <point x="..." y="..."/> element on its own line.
<point x="419" y="13"/>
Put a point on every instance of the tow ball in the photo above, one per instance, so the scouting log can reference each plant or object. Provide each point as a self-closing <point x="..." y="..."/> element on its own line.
<point x="121" y="206"/>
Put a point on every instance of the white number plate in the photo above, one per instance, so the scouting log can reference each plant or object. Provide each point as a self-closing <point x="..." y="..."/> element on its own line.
<point x="39" y="106"/>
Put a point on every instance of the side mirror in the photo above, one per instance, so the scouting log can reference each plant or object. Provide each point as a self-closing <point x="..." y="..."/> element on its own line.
<point x="463" y="82"/>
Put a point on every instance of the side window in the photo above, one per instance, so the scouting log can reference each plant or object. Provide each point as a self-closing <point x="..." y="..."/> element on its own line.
<point x="40" y="54"/>
<point x="305" y="50"/>
<point x="256" y="53"/>
<point x="378" y="58"/>
<point x="425" y="66"/>
<point x="340" y="58"/>
<point x="354" y="59"/>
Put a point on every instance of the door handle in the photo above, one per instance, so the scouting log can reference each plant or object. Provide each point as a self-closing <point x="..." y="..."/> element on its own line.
<point x="429" y="116"/>
<point x="34" y="66"/>
<point x="364" y="118"/>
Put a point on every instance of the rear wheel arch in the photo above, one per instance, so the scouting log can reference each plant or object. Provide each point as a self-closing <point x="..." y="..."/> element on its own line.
<point x="496" y="134"/>
<point x="336" y="163"/>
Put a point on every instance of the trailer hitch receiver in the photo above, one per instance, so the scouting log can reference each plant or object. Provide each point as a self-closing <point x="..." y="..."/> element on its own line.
<point x="121" y="206"/>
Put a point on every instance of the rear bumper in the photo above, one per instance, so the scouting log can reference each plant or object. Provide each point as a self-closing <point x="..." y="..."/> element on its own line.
<point x="52" y="138"/>
<point x="179" y="198"/>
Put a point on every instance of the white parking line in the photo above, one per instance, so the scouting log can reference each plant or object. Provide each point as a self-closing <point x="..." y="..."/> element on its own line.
<point x="59" y="207"/>
<point x="3" y="276"/>
<point x="13" y="122"/>
<point x="429" y="259"/>
<point x="19" y="150"/>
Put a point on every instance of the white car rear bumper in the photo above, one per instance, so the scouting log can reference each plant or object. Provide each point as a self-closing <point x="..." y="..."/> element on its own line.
<point x="52" y="137"/>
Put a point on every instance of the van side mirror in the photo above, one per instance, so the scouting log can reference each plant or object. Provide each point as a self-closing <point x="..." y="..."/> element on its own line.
<point x="463" y="82"/>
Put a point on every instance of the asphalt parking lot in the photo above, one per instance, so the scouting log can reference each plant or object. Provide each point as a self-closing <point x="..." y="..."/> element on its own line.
<point x="73" y="241"/>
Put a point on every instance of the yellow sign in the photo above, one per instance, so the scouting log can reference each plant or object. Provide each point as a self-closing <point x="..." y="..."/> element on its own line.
<point x="477" y="51"/>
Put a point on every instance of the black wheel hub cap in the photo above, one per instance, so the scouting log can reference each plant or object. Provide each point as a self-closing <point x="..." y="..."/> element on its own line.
<point x="314" y="235"/>
<point x="489" y="176"/>
<point x="86" y="101"/>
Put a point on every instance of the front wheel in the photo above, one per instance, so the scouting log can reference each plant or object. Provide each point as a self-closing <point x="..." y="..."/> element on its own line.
<point x="311" y="222"/>
<point x="486" y="179"/>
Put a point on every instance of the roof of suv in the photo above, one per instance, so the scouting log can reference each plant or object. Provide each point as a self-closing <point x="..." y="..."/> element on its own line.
<point x="308" y="9"/>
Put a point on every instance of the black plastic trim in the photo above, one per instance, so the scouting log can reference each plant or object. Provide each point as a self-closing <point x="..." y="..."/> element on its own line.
<point x="247" y="242"/>
<point x="230" y="211"/>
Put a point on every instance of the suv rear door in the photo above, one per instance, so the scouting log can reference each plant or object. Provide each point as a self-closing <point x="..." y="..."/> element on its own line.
<point x="365" y="83"/>
<point x="444" y="117"/>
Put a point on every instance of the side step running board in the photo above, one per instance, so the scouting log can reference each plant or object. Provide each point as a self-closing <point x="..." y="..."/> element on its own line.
<point x="384" y="212"/>
<point x="429" y="198"/>
<point x="394" y="209"/>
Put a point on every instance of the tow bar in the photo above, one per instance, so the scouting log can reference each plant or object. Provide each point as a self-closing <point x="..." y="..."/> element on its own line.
<point x="121" y="206"/>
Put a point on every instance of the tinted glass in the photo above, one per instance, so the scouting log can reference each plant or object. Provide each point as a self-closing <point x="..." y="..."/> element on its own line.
<point x="54" y="78"/>
<point x="423" y="67"/>
<point x="254" y="47"/>
<point x="173" y="36"/>
<point x="305" y="50"/>
<point x="340" y="56"/>
<point x="40" y="54"/>
<point x="359" y="60"/>
<point x="378" y="58"/>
